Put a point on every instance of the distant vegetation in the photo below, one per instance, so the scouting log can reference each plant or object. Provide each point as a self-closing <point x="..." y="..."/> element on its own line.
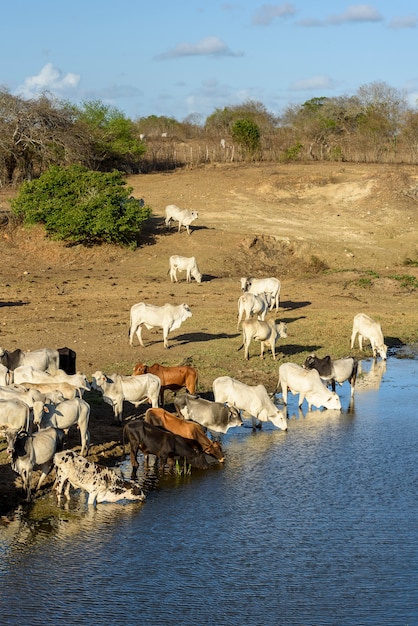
<point x="375" y="125"/>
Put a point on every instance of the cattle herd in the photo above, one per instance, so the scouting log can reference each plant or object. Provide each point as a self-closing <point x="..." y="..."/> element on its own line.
<point x="42" y="395"/>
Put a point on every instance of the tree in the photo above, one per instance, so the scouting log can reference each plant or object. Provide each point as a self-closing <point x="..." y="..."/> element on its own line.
<point x="35" y="134"/>
<point x="247" y="134"/>
<point x="113" y="137"/>
<point x="82" y="206"/>
<point x="222" y="120"/>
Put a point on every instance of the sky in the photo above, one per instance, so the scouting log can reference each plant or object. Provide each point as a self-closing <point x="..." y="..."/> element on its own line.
<point x="190" y="57"/>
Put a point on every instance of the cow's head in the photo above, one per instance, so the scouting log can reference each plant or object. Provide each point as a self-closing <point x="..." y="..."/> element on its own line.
<point x="139" y="369"/>
<point x="215" y="450"/>
<point x="186" y="311"/>
<point x="330" y="401"/>
<point x="382" y="350"/>
<point x="234" y="416"/>
<point x="278" y="419"/>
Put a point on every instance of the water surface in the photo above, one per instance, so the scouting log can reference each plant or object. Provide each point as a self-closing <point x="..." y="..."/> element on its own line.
<point x="314" y="526"/>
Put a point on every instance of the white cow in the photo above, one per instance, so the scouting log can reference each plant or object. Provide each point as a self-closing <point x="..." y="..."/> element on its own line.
<point x="266" y="332"/>
<point x="14" y="414"/>
<point x="168" y="317"/>
<point x="184" y="264"/>
<point x="184" y="216"/>
<point x="28" y="374"/>
<point x="64" y="391"/>
<point x="6" y="376"/>
<point x="308" y="384"/>
<point x="64" y="415"/>
<point x="252" y="399"/>
<point x="29" y="452"/>
<point x="252" y="304"/>
<point x="46" y="359"/>
<point x="270" y="286"/>
<point x="134" y="389"/>
<point x="29" y="397"/>
<point x="101" y="483"/>
<point x="366" y="328"/>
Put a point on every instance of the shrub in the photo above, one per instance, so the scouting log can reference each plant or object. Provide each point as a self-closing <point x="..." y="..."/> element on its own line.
<point x="82" y="206"/>
<point x="246" y="133"/>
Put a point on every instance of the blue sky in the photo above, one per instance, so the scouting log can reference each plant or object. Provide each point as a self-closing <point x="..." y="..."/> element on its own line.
<point x="162" y="57"/>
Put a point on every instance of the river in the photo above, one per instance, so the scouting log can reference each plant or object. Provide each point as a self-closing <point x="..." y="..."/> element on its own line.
<point x="316" y="526"/>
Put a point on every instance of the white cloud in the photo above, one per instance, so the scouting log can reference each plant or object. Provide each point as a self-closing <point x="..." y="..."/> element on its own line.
<point x="407" y="21"/>
<point x="267" y="13"/>
<point x="209" y="46"/>
<point x="315" y="82"/>
<point x="357" y="13"/>
<point x="49" y="79"/>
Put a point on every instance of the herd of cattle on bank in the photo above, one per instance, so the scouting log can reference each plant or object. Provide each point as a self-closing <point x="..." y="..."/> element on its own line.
<point x="42" y="395"/>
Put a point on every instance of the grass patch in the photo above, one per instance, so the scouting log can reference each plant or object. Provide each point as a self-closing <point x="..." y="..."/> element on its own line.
<point x="406" y="281"/>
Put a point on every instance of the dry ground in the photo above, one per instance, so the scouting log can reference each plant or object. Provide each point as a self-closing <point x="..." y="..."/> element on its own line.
<point x="337" y="235"/>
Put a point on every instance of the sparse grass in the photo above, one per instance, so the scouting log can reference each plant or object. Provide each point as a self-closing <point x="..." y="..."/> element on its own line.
<point x="406" y="281"/>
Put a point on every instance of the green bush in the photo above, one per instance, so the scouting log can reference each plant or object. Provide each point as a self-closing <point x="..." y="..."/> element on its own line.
<point x="246" y="133"/>
<point x="82" y="206"/>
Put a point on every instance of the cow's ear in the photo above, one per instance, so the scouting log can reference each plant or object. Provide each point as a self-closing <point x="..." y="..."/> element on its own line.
<point x="46" y="410"/>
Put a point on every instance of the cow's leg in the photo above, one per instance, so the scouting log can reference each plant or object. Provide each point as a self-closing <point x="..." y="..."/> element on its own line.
<point x="118" y="410"/>
<point x="92" y="498"/>
<point x="134" y="460"/>
<point x="165" y="336"/>
<point x="261" y="349"/>
<point x="45" y="469"/>
<point x="85" y="439"/>
<point x="353" y="338"/>
<point x="360" y="342"/>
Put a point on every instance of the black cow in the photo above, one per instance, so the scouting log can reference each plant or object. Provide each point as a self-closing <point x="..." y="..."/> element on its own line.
<point x="67" y="360"/>
<point x="331" y="371"/>
<point x="164" y="445"/>
<point x="215" y="416"/>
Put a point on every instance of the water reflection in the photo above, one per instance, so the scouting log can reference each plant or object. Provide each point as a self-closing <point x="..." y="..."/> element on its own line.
<point x="370" y="374"/>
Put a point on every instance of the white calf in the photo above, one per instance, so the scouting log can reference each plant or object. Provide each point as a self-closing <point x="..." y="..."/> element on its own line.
<point x="184" y="264"/>
<point x="366" y="328"/>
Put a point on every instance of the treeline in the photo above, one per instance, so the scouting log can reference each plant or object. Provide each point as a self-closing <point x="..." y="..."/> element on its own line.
<point x="374" y="125"/>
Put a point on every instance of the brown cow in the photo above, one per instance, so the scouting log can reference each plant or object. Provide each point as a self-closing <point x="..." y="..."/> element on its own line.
<point x="173" y="378"/>
<point x="188" y="430"/>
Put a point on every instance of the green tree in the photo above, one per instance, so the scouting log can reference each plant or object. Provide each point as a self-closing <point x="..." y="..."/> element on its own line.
<point x="82" y="206"/>
<point x="113" y="137"/>
<point x="247" y="134"/>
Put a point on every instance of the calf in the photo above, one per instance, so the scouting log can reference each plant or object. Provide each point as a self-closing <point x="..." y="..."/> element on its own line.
<point x="184" y="216"/>
<point x="135" y="389"/>
<point x="366" y="328"/>
<point x="337" y="371"/>
<point x="63" y="416"/>
<point x="214" y="416"/>
<point x="29" y="452"/>
<point x="308" y="384"/>
<point x="163" y="444"/>
<point x="252" y="304"/>
<point x="184" y="264"/>
<point x="172" y="377"/>
<point x="101" y="483"/>
<point x="188" y="430"/>
<point x="270" y="286"/>
<point x="265" y="332"/>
